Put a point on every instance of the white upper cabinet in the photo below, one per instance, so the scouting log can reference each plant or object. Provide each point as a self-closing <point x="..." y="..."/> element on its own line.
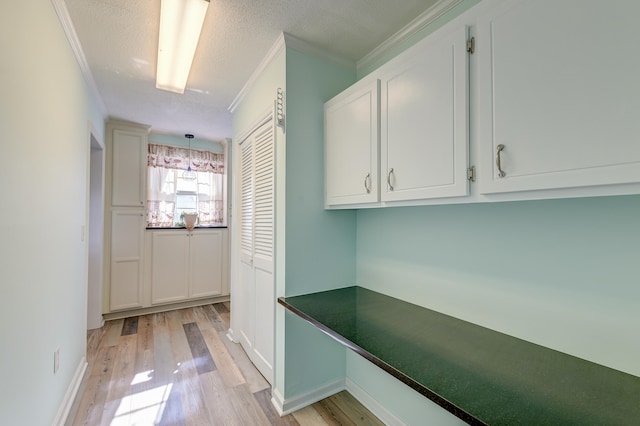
<point x="129" y="167"/>
<point x="352" y="145"/>
<point x="558" y="95"/>
<point x="424" y="120"/>
<point x="546" y="106"/>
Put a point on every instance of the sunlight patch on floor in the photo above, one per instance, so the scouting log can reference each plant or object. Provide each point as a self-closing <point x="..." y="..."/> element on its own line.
<point x="142" y="408"/>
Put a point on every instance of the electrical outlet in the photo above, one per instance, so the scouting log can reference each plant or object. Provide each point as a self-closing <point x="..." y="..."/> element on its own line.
<point x="56" y="360"/>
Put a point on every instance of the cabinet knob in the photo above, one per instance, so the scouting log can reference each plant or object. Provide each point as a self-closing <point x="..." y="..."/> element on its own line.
<point x="389" y="179"/>
<point x="501" y="172"/>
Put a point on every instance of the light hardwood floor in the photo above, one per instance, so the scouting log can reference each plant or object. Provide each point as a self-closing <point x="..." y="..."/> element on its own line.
<point x="179" y="368"/>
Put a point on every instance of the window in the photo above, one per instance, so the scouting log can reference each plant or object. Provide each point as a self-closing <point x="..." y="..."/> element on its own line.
<point x="170" y="194"/>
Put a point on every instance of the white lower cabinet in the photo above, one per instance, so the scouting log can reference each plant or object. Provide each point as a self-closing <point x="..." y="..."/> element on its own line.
<point x="206" y="263"/>
<point x="187" y="265"/>
<point x="127" y="247"/>
<point x="559" y="98"/>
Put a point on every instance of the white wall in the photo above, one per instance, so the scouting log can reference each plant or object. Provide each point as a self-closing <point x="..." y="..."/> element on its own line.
<point x="45" y="111"/>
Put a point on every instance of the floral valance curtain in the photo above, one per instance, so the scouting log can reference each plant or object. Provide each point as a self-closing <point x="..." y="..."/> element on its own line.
<point x="165" y="166"/>
<point x="173" y="157"/>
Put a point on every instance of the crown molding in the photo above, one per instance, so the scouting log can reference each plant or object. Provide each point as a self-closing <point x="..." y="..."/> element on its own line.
<point x="72" y="37"/>
<point x="286" y="41"/>
<point x="409" y="30"/>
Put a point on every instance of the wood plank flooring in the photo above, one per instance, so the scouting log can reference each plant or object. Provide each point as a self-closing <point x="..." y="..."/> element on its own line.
<point x="179" y="368"/>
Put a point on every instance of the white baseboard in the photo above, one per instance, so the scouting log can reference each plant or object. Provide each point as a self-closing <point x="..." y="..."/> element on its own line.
<point x="372" y="404"/>
<point x="70" y="395"/>
<point x="277" y="401"/>
<point x="289" y="405"/>
<point x="231" y="335"/>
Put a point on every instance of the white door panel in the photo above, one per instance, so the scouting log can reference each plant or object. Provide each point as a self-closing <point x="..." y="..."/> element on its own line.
<point x="255" y="296"/>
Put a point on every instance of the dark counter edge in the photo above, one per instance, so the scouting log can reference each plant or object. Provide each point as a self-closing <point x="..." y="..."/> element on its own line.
<point x="423" y="390"/>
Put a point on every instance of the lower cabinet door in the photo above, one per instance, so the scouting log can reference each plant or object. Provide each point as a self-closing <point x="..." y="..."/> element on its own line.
<point x="126" y="259"/>
<point x="205" y="258"/>
<point x="187" y="265"/>
<point x="169" y="273"/>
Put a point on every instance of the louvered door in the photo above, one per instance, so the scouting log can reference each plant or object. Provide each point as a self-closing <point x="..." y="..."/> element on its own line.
<point x="256" y="295"/>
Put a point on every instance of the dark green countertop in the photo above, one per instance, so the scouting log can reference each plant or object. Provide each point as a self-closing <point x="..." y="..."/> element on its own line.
<point x="481" y="376"/>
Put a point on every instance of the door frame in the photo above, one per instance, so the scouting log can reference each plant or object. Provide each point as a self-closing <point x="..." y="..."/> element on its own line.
<point x="263" y="118"/>
<point x="93" y="231"/>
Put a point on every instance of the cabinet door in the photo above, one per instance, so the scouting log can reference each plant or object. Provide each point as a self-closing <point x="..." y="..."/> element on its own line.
<point x="126" y="258"/>
<point x="424" y="125"/>
<point x="129" y="168"/>
<point x="169" y="274"/>
<point x="206" y="267"/>
<point x="352" y="145"/>
<point x="253" y="295"/>
<point x="558" y="95"/>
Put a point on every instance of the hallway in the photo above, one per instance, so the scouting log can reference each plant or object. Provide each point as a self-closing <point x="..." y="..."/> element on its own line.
<point x="179" y="368"/>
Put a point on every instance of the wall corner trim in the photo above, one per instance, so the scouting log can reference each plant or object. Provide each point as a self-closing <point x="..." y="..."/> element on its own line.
<point x="284" y="41"/>
<point x="372" y="404"/>
<point x="425" y="18"/>
<point x="277" y="47"/>
<point x="70" y="395"/>
<point x="289" y="405"/>
<point x="72" y="37"/>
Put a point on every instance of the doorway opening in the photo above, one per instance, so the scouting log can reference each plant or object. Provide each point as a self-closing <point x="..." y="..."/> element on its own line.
<point x="96" y="234"/>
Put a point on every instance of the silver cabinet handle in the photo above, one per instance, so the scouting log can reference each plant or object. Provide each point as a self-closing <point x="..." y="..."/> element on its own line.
<point x="501" y="172"/>
<point x="367" y="183"/>
<point x="389" y="179"/>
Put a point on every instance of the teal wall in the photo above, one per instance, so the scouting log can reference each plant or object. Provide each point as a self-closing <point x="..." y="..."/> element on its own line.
<point x="320" y="245"/>
<point x="560" y="273"/>
<point x="400" y="402"/>
<point x="46" y="111"/>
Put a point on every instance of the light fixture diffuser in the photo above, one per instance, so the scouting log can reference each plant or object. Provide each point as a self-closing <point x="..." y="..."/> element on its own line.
<point x="180" y="26"/>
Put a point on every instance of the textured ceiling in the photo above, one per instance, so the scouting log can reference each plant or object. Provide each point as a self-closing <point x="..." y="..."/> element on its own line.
<point x="120" y="40"/>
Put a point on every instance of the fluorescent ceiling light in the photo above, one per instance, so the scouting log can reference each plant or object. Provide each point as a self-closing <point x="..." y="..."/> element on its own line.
<point x="180" y="25"/>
